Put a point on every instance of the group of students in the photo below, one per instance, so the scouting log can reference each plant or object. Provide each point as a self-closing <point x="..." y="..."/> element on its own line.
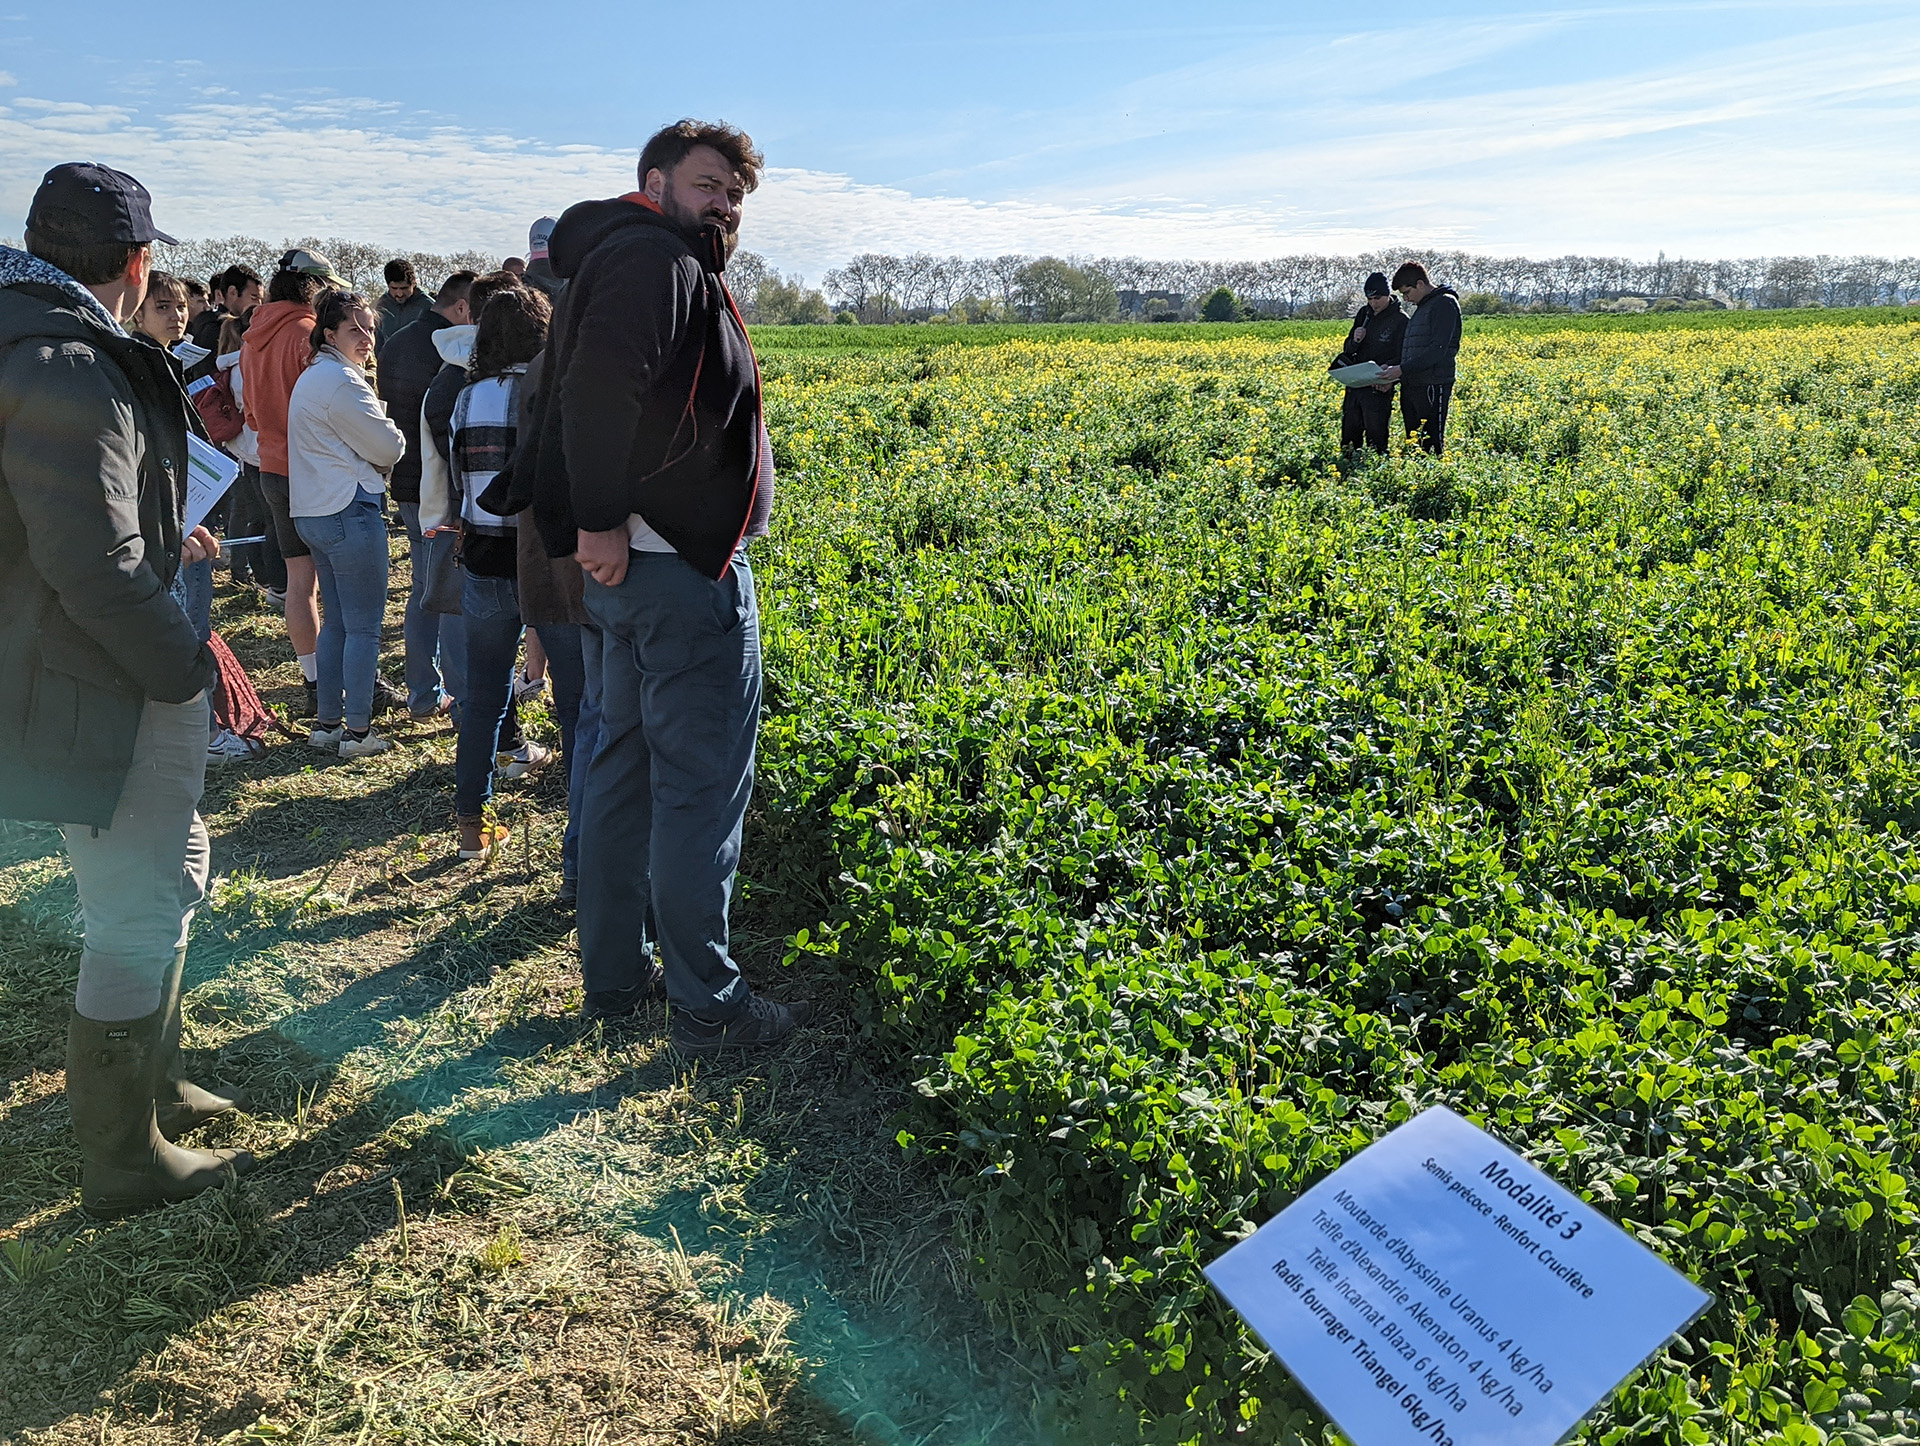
<point x="333" y="405"/>
<point x="600" y="474"/>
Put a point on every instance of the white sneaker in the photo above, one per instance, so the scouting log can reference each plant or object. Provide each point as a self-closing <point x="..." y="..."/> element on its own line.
<point x="227" y="747"/>
<point x="351" y="747"/>
<point x="522" y="760"/>
<point x="326" y="736"/>
<point x="525" y="687"/>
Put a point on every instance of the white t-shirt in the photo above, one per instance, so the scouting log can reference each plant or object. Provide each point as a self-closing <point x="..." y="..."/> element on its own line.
<point x="642" y="538"/>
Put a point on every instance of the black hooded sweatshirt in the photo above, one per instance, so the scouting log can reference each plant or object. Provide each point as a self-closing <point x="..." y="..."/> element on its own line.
<point x="1384" y="335"/>
<point x="1432" y="340"/>
<point x="650" y="399"/>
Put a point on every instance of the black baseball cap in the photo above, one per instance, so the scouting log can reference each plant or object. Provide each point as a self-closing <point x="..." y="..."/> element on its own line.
<point x="84" y="204"/>
<point x="1377" y="284"/>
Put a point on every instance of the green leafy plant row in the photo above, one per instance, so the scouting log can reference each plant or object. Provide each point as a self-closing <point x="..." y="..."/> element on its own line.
<point x="1186" y="807"/>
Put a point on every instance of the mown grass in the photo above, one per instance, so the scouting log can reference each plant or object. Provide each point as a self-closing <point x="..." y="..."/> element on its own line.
<point x="472" y="1222"/>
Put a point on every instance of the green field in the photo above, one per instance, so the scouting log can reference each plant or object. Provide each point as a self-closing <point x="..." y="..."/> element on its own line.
<point x="1162" y="811"/>
<point x="1190" y="812"/>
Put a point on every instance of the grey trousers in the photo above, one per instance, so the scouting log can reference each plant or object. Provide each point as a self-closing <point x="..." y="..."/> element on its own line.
<point x="141" y="879"/>
<point x="667" y="789"/>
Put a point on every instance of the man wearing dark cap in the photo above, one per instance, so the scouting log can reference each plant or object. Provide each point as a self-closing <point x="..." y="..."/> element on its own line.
<point x="103" y="723"/>
<point x="1378" y="327"/>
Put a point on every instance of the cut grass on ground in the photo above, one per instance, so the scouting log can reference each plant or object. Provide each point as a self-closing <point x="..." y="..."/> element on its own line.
<point x="472" y="1222"/>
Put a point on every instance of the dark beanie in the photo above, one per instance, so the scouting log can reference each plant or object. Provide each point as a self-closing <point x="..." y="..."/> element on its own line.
<point x="1377" y="284"/>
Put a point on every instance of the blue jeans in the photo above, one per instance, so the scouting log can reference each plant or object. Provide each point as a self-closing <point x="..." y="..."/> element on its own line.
<point x="435" y="642"/>
<point x="491" y="607"/>
<point x="667" y="790"/>
<point x="586" y="739"/>
<point x="350" y="555"/>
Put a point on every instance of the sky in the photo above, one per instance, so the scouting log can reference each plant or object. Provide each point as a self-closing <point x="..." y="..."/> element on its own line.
<point x="1222" y="131"/>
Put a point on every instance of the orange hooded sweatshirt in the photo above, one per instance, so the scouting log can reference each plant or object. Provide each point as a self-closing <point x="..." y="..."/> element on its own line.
<point x="274" y="353"/>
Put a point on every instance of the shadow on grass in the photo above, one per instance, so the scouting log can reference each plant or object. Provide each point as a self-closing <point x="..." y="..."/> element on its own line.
<point x="375" y="1093"/>
<point x="94" y="1299"/>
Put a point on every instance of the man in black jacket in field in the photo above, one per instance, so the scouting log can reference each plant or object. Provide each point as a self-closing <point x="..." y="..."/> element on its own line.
<point x="103" y="724"/>
<point x="645" y="441"/>
<point x="1427" y="351"/>
<point x="1378" y="328"/>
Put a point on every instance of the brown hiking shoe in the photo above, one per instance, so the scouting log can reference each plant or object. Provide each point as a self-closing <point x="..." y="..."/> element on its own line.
<point x="480" y="836"/>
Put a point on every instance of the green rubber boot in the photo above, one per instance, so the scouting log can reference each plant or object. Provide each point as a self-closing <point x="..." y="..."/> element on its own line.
<point x="112" y="1072"/>
<point x="182" y="1104"/>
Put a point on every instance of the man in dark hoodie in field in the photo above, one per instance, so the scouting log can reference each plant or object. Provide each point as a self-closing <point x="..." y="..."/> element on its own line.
<point x="1427" y="351"/>
<point x="1378" y="327"/>
<point x="403" y="305"/>
<point x="103" y="721"/>
<point x="646" y="447"/>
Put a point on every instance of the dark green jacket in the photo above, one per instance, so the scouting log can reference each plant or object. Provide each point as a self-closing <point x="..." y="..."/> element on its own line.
<point x="93" y="469"/>
<point x="396" y="316"/>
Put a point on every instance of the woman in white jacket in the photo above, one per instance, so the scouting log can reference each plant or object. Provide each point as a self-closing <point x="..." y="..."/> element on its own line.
<point x="340" y="446"/>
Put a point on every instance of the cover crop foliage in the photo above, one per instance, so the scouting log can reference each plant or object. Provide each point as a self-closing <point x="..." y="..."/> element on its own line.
<point x="1190" y="811"/>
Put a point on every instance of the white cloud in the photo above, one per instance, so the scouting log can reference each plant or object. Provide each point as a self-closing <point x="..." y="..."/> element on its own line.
<point x="6" y="79"/>
<point x="1766" y="148"/>
<point x="1786" y="146"/>
<point x="221" y="168"/>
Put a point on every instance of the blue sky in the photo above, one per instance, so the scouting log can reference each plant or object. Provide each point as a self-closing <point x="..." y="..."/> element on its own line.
<point x="1224" y="130"/>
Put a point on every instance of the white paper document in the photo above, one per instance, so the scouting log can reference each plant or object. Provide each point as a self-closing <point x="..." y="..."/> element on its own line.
<point x="210" y="472"/>
<point x="1360" y="374"/>
<point x="1438" y="1289"/>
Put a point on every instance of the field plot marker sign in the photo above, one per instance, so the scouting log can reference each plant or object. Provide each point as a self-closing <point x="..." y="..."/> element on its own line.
<point x="1437" y="1288"/>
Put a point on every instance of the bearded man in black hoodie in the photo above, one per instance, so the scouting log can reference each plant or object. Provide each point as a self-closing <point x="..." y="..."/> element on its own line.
<point x="644" y="457"/>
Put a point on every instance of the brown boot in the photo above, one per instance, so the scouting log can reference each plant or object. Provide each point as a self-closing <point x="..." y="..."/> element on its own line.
<point x="182" y="1105"/>
<point x="112" y="1072"/>
<point x="480" y="835"/>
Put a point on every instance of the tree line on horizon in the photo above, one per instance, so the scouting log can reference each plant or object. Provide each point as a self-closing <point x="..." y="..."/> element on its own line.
<point x="878" y="288"/>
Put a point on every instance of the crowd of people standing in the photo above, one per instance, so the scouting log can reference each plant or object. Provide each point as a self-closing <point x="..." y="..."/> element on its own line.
<point x="577" y="458"/>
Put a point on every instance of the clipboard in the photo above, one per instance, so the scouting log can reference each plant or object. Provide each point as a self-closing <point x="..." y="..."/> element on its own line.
<point x="1360" y="374"/>
<point x="210" y="472"/>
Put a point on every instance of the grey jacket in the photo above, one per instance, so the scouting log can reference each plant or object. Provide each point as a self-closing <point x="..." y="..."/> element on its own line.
<point x="93" y="476"/>
<point x="1432" y="340"/>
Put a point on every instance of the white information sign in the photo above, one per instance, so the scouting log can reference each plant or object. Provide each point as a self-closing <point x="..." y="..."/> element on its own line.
<point x="1439" y="1289"/>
